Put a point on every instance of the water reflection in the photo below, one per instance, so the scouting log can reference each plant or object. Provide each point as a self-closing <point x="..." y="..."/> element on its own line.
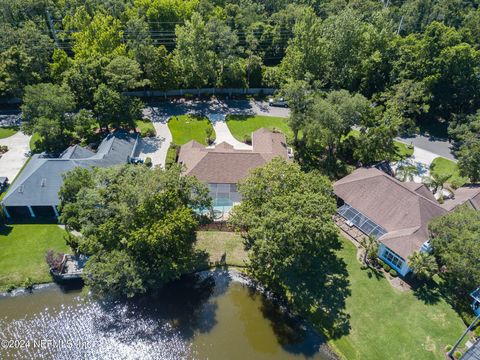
<point x="210" y="315"/>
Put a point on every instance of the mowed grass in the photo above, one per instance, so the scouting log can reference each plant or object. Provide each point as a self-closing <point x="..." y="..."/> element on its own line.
<point x="8" y="131"/>
<point x="22" y="252"/>
<point x="34" y="141"/>
<point x="218" y="243"/>
<point x="146" y="128"/>
<point x="242" y="126"/>
<point x="187" y="127"/>
<point x="441" y="166"/>
<point x="388" y="323"/>
<point x="403" y="150"/>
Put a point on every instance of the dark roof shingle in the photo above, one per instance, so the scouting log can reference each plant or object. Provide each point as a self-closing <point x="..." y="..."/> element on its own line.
<point x="224" y="164"/>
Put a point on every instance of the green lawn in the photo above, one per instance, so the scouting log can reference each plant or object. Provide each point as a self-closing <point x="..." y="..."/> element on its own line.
<point x="146" y="128"/>
<point x="187" y="127"/>
<point x="217" y="243"/>
<point x="388" y="323"/>
<point x="22" y="252"/>
<point x="8" y="131"/>
<point x="441" y="166"/>
<point x="404" y="150"/>
<point x="33" y="142"/>
<point x="243" y="125"/>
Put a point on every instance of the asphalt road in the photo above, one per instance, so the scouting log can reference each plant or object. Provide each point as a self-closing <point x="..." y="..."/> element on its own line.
<point x="240" y="107"/>
<point x="439" y="147"/>
<point x="164" y="110"/>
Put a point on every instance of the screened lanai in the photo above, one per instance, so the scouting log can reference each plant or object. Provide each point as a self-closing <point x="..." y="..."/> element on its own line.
<point x="354" y="217"/>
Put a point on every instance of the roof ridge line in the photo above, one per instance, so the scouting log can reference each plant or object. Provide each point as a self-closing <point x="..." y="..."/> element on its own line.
<point x="398" y="182"/>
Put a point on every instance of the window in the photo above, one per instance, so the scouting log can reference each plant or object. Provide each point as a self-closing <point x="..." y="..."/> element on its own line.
<point x="393" y="258"/>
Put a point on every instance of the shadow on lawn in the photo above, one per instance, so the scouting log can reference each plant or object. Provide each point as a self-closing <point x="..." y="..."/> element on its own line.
<point x="428" y="292"/>
<point x="5" y="230"/>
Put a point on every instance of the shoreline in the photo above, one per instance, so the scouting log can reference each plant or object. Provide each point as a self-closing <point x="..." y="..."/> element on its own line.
<point x="235" y="274"/>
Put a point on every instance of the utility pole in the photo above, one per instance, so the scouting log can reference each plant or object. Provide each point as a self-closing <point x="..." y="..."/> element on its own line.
<point x="52" y="29"/>
<point x="400" y="25"/>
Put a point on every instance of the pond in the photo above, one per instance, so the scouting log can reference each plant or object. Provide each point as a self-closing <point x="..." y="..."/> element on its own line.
<point x="211" y="315"/>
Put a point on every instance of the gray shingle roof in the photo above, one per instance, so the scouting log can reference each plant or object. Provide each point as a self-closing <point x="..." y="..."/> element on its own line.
<point x="39" y="182"/>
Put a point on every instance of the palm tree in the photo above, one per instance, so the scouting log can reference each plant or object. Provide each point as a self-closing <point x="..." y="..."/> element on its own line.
<point x="370" y="245"/>
<point x="436" y="182"/>
<point x="406" y="172"/>
<point x="423" y="265"/>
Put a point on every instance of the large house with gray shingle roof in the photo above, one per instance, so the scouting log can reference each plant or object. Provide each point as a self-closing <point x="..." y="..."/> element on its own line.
<point x="35" y="190"/>
<point x="396" y="213"/>
<point x="222" y="166"/>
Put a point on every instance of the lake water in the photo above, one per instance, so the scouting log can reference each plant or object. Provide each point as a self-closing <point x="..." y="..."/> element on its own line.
<point x="212" y="315"/>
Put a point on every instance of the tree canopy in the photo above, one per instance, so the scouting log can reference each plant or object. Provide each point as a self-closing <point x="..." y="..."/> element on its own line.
<point x="417" y="60"/>
<point x="138" y="225"/>
<point x="285" y="219"/>
<point x="456" y="246"/>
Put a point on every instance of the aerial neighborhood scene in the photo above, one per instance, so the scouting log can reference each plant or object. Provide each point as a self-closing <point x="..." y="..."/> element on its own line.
<point x="240" y="179"/>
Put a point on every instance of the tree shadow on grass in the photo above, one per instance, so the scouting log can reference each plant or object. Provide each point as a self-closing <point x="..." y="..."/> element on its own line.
<point x="372" y="272"/>
<point x="5" y="230"/>
<point x="427" y="291"/>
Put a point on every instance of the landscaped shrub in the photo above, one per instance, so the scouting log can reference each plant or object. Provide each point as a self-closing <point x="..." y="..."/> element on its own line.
<point x="209" y="132"/>
<point x="171" y="155"/>
<point x="393" y="272"/>
<point x="380" y="262"/>
<point x="447" y="348"/>
<point x="455" y="183"/>
<point x="247" y="139"/>
<point x="476" y="332"/>
<point x="28" y="283"/>
<point x="457" y="354"/>
<point x="54" y="260"/>
<point x="148" y="162"/>
<point x="10" y="288"/>
<point x="386" y="267"/>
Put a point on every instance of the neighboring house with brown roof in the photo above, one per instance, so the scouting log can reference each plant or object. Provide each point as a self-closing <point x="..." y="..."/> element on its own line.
<point x="222" y="167"/>
<point x="395" y="212"/>
<point x="467" y="194"/>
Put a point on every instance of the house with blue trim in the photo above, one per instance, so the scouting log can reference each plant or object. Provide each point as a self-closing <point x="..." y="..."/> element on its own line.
<point x="35" y="190"/>
<point x="373" y="203"/>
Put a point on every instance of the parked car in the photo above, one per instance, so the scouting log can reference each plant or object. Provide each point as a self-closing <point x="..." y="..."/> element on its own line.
<point x="280" y="102"/>
<point x="136" y="160"/>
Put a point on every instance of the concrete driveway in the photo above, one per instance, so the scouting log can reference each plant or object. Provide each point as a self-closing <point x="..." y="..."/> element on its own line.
<point x="156" y="147"/>
<point x="223" y="133"/>
<point x="422" y="159"/>
<point x="18" y="152"/>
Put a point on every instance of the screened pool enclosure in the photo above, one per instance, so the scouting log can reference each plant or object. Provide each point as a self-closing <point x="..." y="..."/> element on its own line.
<point x="354" y="217"/>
